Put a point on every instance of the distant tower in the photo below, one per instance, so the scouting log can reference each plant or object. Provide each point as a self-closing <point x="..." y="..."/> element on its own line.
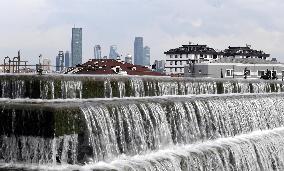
<point x="61" y="60"/>
<point x="138" y="51"/>
<point x="146" y="56"/>
<point x="67" y="59"/>
<point x="57" y="66"/>
<point x="76" y="46"/>
<point x="46" y="64"/>
<point x="128" y="59"/>
<point x="113" y="52"/>
<point x="97" y="52"/>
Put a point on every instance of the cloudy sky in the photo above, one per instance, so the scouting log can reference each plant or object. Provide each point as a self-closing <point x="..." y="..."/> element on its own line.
<point x="44" y="26"/>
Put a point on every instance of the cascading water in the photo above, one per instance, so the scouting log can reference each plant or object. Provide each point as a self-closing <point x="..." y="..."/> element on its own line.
<point x="191" y="129"/>
<point x="140" y="126"/>
<point x="255" y="151"/>
<point x="56" y="87"/>
<point x="39" y="150"/>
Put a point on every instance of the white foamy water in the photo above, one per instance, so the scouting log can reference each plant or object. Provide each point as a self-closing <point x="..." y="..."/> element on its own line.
<point x="259" y="150"/>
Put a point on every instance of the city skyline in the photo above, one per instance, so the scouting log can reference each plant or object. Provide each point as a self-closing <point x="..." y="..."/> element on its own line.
<point x="43" y="26"/>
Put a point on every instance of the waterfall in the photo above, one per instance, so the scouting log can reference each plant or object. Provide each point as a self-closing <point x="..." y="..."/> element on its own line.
<point x="51" y="87"/>
<point x="39" y="150"/>
<point x="135" y="126"/>
<point x="57" y="122"/>
<point x="255" y="151"/>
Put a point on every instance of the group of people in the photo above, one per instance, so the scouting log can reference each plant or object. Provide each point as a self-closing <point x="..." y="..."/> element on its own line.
<point x="269" y="75"/>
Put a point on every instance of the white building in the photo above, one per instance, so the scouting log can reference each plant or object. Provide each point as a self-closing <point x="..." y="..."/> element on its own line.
<point x="128" y="59"/>
<point x="177" y="58"/>
<point x="245" y="52"/>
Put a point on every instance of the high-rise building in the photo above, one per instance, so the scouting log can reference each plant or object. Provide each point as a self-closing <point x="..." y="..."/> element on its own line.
<point x="128" y="59"/>
<point x="76" y="46"/>
<point x="97" y="52"/>
<point x="138" y="51"/>
<point x="46" y="65"/>
<point x="113" y="52"/>
<point x="57" y="63"/>
<point x="67" y="59"/>
<point x="61" y="60"/>
<point x="159" y="65"/>
<point x="146" y="56"/>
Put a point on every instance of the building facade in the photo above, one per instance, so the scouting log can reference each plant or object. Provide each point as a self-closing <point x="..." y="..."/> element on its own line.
<point x="138" y="51"/>
<point x="177" y="58"/>
<point x="146" y="56"/>
<point x="76" y="46"/>
<point x="113" y="54"/>
<point x="235" y="68"/>
<point x="97" y="52"/>
<point x="159" y="65"/>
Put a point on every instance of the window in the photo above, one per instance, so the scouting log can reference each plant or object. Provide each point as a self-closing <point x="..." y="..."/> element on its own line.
<point x="171" y="63"/>
<point x="201" y="55"/>
<point x="229" y="72"/>
<point x="180" y="69"/>
<point x="247" y="72"/>
<point x="260" y="73"/>
<point x="180" y="62"/>
<point x="176" y="56"/>
<point x="180" y="55"/>
<point x="176" y="69"/>
<point x="176" y="62"/>
<point x="187" y="62"/>
<point x="171" y="70"/>
<point x="186" y="55"/>
<point x="171" y="56"/>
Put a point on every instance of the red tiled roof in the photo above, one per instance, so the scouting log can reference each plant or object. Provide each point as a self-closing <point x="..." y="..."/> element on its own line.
<point x="105" y="66"/>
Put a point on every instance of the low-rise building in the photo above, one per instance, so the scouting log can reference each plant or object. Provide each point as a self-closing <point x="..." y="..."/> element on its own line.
<point x="245" y="52"/>
<point x="177" y="58"/>
<point x="230" y="67"/>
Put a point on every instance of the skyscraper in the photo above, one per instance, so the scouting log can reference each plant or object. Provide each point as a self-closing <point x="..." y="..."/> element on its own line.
<point x="61" y="60"/>
<point x="146" y="56"/>
<point x="138" y="51"/>
<point x="57" y="65"/>
<point x="97" y="52"/>
<point x="67" y="59"/>
<point x="76" y="46"/>
<point x="113" y="52"/>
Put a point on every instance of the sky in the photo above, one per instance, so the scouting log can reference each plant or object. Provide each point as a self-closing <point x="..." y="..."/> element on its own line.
<point x="44" y="26"/>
